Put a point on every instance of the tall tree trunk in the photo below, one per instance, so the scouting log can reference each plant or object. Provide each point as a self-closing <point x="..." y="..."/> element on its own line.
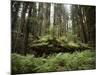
<point x="82" y="25"/>
<point x="24" y="29"/>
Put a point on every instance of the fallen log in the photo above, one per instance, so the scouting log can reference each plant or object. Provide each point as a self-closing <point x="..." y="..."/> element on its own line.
<point x="54" y="46"/>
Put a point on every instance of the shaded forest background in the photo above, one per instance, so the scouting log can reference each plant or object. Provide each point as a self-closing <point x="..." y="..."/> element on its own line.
<point x="42" y="29"/>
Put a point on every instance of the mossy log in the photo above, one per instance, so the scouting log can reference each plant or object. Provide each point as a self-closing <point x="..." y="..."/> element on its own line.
<point x="54" y="46"/>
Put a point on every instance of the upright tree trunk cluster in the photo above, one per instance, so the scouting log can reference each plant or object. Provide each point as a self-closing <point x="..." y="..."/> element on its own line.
<point x="83" y="21"/>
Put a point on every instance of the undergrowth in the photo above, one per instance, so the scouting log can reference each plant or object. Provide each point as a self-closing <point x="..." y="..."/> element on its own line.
<point x="56" y="62"/>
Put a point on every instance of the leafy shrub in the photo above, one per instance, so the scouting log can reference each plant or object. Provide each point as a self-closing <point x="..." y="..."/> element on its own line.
<point x="56" y="62"/>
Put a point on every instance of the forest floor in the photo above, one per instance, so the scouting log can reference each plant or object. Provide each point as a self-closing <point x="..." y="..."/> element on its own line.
<point x="83" y="60"/>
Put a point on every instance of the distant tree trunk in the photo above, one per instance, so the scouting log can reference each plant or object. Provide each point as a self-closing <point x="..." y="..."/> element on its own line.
<point x="40" y="18"/>
<point x="44" y="19"/>
<point x="51" y="18"/>
<point x="37" y="11"/>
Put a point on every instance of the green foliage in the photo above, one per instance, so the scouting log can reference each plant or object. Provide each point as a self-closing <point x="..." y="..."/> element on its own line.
<point x="56" y="62"/>
<point x="22" y="64"/>
<point x="61" y="42"/>
<point x="72" y="44"/>
<point x="45" y="38"/>
<point x="72" y="37"/>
